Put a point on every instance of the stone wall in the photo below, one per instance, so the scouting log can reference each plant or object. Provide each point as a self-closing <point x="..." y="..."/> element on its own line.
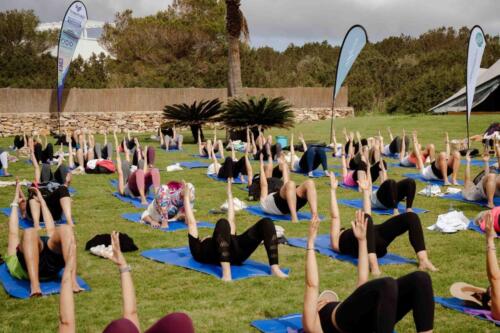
<point x="15" y="123"/>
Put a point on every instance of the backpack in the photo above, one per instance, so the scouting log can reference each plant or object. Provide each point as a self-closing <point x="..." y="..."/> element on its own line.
<point x="273" y="185"/>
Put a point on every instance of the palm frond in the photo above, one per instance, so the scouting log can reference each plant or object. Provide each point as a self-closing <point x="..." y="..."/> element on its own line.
<point x="197" y="113"/>
<point x="264" y="111"/>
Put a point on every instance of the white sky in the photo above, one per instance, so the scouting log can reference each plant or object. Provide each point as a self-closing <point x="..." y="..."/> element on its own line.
<point x="278" y="23"/>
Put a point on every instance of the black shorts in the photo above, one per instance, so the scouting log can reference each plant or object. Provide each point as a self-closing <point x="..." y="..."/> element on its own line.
<point x="437" y="172"/>
<point x="282" y="204"/>
<point x="49" y="262"/>
<point x="53" y="201"/>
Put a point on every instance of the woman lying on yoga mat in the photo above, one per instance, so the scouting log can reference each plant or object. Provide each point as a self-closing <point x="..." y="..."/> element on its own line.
<point x="171" y="142"/>
<point x="34" y="257"/>
<point x="231" y="167"/>
<point x="205" y="148"/>
<point x="54" y="189"/>
<point x="485" y="186"/>
<point x="446" y="164"/>
<point x="261" y="144"/>
<point x="284" y="198"/>
<point x="481" y="298"/>
<point x="136" y="183"/>
<point x="410" y="159"/>
<point x="360" y="169"/>
<point x="92" y="157"/>
<point x="176" y="322"/>
<point x="227" y="248"/>
<point x="375" y="306"/>
<point x="167" y="205"/>
<point x="380" y="236"/>
<point x="396" y="144"/>
<point x="312" y="158"/>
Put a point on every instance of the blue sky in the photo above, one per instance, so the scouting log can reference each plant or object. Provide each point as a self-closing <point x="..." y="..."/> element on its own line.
<point x="278" y="23"/>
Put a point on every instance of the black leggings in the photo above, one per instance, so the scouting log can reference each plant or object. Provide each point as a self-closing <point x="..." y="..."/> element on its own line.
<point x="44" y="155"/>
<point x="18" y="141"/>
<point x="380" y="236"/>
<point x="374" y="170"/>
<point x="396" y="145"/>
<point x="313" y="157"/>
<point x="378" y="305"/>
<point x="275" y="152"/>
<point x="231" y="169"/>
<point x="391" y="193"/>
<point x="224" y="247"/>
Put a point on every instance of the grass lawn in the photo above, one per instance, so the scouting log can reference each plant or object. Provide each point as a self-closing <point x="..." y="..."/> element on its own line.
<point x="230" y="307"/>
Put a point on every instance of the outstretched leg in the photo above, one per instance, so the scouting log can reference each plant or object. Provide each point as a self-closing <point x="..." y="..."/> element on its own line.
<point x="31" y="247"/>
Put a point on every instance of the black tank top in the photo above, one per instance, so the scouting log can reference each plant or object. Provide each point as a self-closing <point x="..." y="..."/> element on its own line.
<point x="325" y="318"/>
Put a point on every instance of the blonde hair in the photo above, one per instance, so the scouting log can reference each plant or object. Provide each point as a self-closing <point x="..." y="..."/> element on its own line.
<point x="479" y="217"/>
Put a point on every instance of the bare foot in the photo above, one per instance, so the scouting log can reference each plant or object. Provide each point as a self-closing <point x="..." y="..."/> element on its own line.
<point x="427" y="266"/>
<point x="36" y="291"/>
<point x="276" y="271"/>
<point x="76" y="287"/>
<point x="144" y="202"/>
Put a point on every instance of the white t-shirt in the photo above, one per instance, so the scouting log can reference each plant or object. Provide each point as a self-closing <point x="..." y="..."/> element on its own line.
<point x="151" y="212"/>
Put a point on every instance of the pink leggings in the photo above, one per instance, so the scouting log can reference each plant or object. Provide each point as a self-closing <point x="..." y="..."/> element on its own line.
<point x="177" y="322"/>
<point x="138" y="180"/>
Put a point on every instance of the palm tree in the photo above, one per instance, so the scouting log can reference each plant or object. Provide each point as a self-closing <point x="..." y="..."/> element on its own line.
<point x="237" y="28"/>
<point x="194" y="115"/>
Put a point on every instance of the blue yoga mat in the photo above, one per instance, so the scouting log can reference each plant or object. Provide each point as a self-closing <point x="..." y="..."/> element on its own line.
<point x="459" y="197"/>
<point x="323" y="247"/>
<point x="291" y="323"/>
<point x="354" y="188"/>
<point x="257" y="210"/>
<point x="26" y="223"/>
<point x="2" y="173"/>
<point x="479" y="163"/>
<point x="136" y="202"/>
<point x="194" y="165"/>
<point x="172" y="225"/>
<point x="21" y="288"/>
<point x="474" y="227"/>
<point x="205" y="157"/>
<point x="236" y="180"/>
<point x="170" y="150"/>
<point x="358" y="203"/>
<point x="399" y="165"/>
<point x="315" y="174"/>
<point x="182" y="257"/>
<point x="458" y="305"/>
<point x="419" y="177"/>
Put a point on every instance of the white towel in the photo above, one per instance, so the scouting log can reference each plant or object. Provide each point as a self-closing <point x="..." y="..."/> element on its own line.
<point x="450" y="222"/>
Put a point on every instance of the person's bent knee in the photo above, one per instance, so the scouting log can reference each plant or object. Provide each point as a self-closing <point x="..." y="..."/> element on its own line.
<point x="266" y="223"/>
<point x="442" y="155"/>
<point x="290" y="184"/>
<point x="422" y="279"/>
<point x="456" y="154"/>
<point x="309" y="184"/>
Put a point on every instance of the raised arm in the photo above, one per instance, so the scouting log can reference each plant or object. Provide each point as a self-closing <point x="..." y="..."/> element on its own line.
<point x="492" y="265"/>
<point x="292" y="151"/>
<point x="230" y="208"/>
<point x="366" y="190"/>
<point x="467" y="180"/>
<point x="310" y="317"/>
<point x="334" y="214"/>
<point x="119" y="170"/>
<point x="264" y="189"/>
<point x="359" y="230"/>
<point x="66" y="302"/>
<point x="391" y="137"/>
<point x="34" y="162"/>
<point x="447" y="144"/>
<point x="301" y="139"/>
<point x="128" y="291"/>
<point x="402" y="153"/>
<point x="416" y="150"/>
<point x="13" y="241"/>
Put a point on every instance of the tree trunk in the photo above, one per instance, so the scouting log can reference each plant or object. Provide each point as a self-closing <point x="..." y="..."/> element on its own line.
<point x="235" y="86"/>
<point x="194" y="132"/>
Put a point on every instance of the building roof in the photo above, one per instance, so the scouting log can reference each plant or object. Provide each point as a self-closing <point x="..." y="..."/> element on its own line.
<point x="88" y="43"/>
<point x="487" y="82"/>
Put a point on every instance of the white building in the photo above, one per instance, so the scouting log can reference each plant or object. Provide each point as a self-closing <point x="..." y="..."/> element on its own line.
<point x="88" y="43"/>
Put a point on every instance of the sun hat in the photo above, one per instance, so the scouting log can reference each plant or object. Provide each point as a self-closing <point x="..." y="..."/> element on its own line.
<point x="479" y="297"/>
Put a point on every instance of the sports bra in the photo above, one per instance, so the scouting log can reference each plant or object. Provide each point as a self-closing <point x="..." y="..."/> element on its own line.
<point x="325" y="317"/>
<point x="495" y="214"/>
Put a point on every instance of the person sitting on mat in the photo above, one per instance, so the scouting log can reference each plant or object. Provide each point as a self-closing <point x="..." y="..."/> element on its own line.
<point x="54" y="188"/>
<point x="4" y="162"/>
<point x="489" y="298"/>
<point x="171" y="142"/>
<point x="205" y="148"/>
<point x="485" y="186"/>
<point x="375" y="306"/>
<point x="446" y="164"/>
<point x="289" y="198"/>
<point x="177" y="322"/>
<point x="136" y="183"/>
<point x="380" y="236"/>
<point x="231" y="167"/>
<point x="410" y="159"/>
<point x="167" y="205"/>
<point x="36" y="258"/>
<point x="312" y="158"/>
<point x="226" y="247"/>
